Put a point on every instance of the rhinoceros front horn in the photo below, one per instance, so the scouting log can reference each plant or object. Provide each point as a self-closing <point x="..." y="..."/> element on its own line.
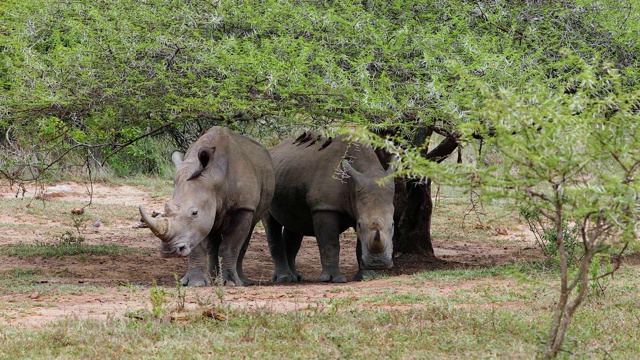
<point x="159" y="227"/>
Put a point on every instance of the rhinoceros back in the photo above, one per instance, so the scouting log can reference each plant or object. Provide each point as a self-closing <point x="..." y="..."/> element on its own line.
<point x="308" y="179"/>
<point x="250" y="178"/>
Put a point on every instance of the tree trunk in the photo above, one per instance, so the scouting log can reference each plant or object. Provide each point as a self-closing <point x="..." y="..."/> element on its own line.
<point x="412" y="200"/>
<point x="413" y="210"/>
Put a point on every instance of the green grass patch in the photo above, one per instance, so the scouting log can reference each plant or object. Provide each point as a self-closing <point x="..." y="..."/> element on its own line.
<point x="442" y="330"/>
<point x="67" y="244"/>
<point x="466" y="274"/>
<point x="20" y="274"/>
<point x="155" y="186"/>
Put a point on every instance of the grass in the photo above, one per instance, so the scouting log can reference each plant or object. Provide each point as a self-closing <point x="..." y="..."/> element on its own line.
<point x="63" y="249"/>
<point x="156" y="187"/>
<point x="26" y="280"/>
<point x="440" y="325"/>
<point x="66" y="244"/>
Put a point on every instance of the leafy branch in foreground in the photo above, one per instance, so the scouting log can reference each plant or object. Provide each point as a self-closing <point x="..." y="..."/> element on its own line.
<point x="571" y="157"/>
<point x="569" y="153"/>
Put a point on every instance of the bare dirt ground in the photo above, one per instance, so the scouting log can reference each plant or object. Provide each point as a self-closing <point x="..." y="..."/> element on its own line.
<point x="116" y="284"/>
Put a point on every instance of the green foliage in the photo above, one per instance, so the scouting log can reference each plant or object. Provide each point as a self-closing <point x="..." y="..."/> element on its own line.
<point x="111" y="72"/>
<point x="158" y="298"/>
<point x="601" y="272"/>
<point x="547" y="238"/>
<point x="563" y="119"/>
<point x="569" y="152"/>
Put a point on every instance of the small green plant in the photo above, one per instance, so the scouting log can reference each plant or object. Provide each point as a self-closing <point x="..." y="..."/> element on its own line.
<point x="158" y="298"/>
<point x="547" y="238"/>
<point x="79" y="223"/>
<point x="572" y="242"/>
<point x="602" y="265"/>
<point x="181" y="294"/>
<point x="129" y="287"/>
<point x="69" y="239"/>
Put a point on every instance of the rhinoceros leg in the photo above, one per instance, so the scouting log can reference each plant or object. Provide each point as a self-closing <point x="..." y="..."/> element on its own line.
<point x="362" y="273"/>
<point x="213" y="247"/>
<point x="292" y="242"/>
<point x="278" y="250"/>
<point x="232" y="242"/>
<point x="197" y="273"/>
<point x="243" y="250"/>
<point x="326" y="228"/>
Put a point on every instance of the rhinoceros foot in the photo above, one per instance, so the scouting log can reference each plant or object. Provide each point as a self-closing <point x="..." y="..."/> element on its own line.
<point x="365" y="275"/>
<point x="287" y="278"/>
<point x="336" y="277"/>
<point x="196" y="276"/>
<point x="229" y="277"/>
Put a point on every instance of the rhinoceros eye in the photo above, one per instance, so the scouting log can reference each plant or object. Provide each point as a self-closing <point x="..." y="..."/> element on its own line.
<point x="194" y="212"/>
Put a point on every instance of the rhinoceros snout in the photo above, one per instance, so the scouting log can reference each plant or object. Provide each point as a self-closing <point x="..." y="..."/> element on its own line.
<point x="377" y="264"/>
<point x="175" y="251"/>
<point x="381" y="262"/>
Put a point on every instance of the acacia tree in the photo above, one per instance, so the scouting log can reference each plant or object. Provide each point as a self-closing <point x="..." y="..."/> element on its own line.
<point x="91" y="78"/>
<point x="570" y="157"/>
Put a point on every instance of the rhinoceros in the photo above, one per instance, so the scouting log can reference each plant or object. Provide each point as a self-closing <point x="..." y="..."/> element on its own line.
<point x="323" y="187"/>
<point x="223" y="187"/>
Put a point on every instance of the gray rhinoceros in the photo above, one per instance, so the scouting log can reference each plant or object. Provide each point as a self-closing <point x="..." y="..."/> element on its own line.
<point x="223" y="187"/>
<point x="314" y="197"/>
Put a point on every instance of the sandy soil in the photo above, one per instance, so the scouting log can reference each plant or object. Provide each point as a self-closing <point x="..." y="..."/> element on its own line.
<point x="111" y="279"/>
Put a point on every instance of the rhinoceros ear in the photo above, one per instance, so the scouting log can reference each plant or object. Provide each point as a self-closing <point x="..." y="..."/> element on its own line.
<point x="205" y="155"/>
<point x="393" y="164"/>
<point x="350" y="170"/>
<point x="177" y="158"/>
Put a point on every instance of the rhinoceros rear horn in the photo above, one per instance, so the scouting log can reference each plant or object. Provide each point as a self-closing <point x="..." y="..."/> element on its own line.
<point x="177" y="158"/>
<point x="205" y="155"/>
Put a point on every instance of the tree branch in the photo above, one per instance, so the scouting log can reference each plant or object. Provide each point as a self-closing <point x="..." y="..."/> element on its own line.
<point x="443" y="150"/>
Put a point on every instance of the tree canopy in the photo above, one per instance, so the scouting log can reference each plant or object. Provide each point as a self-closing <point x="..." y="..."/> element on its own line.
<point x="98" y="75"/>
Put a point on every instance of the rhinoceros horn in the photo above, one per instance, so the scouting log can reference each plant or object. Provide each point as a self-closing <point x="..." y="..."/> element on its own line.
<point x="377" y="246"/>
<point x="159" y="227"/>
<point x="170" y="209"/>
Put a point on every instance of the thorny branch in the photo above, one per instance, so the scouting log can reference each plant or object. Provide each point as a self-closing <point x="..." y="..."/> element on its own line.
<point x="479" y="13"/>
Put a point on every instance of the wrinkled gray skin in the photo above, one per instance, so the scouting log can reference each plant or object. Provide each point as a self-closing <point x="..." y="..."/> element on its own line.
<point x="223" y="186"/>
<point x="310" y="199"/>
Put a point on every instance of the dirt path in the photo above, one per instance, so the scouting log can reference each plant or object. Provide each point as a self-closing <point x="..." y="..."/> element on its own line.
<point x="111" y="285"/>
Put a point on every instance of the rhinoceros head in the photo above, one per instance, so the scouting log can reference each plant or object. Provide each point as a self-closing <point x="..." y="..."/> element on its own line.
<point x="374" y="213"/>
<point x="191" y="214"/>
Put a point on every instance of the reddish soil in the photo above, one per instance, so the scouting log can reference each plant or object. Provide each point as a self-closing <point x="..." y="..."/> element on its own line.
<point x="113" y="274"/>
